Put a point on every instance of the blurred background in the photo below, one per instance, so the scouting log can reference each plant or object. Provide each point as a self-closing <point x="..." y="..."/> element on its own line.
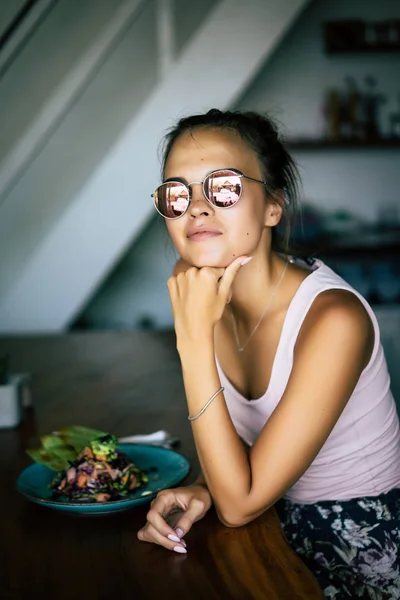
<point x="88" y="88"/>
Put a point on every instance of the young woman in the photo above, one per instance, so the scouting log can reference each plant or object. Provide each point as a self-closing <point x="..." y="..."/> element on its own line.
<point x="279" y="354"/>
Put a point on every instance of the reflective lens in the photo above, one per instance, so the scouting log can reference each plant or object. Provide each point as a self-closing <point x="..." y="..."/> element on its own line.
<point x="223" y="188"/>
<point x="172" y="199"/>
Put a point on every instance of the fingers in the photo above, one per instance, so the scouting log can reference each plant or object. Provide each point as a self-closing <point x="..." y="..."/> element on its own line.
<point x="194" y="512"/>
<point x="159" y="532"/>
<point x="221" y="277"/>
<point x="181" y="267"/>
<point x="212" y="273"/>
<point x="150" y="534"/>
<point x="229" y="275"/>
<point x="157" y="529"/>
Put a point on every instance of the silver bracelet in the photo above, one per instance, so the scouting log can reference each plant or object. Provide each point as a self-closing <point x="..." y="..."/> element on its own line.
<point x="221" y="389"/>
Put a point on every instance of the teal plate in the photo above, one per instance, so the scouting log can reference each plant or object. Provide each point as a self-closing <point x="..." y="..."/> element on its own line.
<point x="165" y="468"/>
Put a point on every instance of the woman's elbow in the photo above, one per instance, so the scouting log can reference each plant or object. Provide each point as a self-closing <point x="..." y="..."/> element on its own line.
<point x="230" y="520"/>
<point x="233" y="519"/>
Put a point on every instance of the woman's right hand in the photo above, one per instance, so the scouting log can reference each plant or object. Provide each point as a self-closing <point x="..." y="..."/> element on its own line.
<point x="173" y="513"/>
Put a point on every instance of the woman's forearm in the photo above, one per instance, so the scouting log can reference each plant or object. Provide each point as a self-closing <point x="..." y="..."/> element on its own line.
<point x="200" y="480"/>
<point x="223" y="459"/>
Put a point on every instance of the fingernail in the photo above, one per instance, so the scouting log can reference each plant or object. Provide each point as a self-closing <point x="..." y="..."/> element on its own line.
<point x="180" y="550"/>
<point x="183" y="543"/>
<point x="179" y="532"/>
<point x="173" y="538"/>
<point x="246" y="260"/>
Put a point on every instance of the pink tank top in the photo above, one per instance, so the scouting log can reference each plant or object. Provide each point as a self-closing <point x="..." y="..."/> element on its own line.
<point x="361" y="456"/>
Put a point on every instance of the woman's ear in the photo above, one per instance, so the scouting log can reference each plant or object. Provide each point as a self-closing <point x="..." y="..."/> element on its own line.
<point x="274" y="209"/>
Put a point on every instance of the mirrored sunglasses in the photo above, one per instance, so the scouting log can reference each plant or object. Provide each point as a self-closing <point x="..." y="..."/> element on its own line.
<point x="221" y="188"/>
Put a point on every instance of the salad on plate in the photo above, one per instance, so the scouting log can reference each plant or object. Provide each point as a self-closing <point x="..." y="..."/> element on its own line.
<point x="90" y="466"/>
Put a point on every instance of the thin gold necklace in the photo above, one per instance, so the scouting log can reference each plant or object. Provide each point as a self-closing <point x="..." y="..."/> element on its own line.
<point x="272" y="296"/>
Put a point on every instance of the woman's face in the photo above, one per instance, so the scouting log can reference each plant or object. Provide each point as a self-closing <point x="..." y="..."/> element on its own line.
<point x="235" y="231"/>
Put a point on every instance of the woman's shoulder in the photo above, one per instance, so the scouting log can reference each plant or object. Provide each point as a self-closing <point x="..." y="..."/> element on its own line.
<point x="332" y="299"/>
<point x="335" y="315"/>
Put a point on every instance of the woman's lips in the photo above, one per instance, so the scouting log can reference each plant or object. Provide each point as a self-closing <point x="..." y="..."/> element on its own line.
<point x="199" y="233"/>
<point x="203" y="235"/>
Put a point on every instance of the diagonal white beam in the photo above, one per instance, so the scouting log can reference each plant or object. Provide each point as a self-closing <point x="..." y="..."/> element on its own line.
<point x="111" y="209"/>
<point x="25" y="30"/>
<point x="64" y="96"/>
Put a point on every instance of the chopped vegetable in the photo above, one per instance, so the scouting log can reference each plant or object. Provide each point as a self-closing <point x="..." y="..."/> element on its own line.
<point x="104" y="447"/>
<point x="100" y="473"/>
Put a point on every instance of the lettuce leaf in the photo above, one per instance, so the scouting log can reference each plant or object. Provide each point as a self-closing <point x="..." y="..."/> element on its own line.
<point x="62" y="447"/>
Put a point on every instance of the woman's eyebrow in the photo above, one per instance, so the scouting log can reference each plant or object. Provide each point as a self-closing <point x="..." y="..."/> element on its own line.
<point x="175" y="178"/>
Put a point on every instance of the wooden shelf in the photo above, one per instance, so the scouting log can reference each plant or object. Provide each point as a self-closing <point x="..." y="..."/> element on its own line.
<point x="366" y="49"/>
<point x="345" y="144"/>
<point x="361" y="244"/>
<point x="354" y="36"/>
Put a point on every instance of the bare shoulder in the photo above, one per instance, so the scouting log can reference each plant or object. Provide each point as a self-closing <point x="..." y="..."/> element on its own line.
<point x="339" y="306"/>
<point x="339" y="317"/>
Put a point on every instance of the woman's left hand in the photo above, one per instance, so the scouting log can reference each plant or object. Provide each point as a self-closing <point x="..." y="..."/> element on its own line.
<point x="198" y="298"/>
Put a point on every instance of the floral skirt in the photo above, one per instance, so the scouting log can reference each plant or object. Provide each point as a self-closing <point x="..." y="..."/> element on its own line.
<point x="352" y="547"/>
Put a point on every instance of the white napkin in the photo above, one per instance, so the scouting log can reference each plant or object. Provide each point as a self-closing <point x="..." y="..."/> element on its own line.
<point x="158" y="438"/>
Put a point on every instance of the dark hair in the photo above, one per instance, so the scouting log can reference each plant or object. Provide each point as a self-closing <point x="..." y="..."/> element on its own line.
<point x="261" y="134"/>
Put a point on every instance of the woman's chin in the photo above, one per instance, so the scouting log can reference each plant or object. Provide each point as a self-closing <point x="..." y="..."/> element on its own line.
<point x="214" y="265"/>
<point x="210" y="259"/>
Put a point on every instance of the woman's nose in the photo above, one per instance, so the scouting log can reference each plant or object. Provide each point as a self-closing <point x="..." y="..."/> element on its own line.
<point x="199" y="204"/>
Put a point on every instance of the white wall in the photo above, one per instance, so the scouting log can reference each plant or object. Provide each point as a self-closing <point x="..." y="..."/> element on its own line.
<point x="136" y="289"/>
<point x="290" y="86"/>
<point x="188" y="16"/>
<point x="61" y="167"/>
<point x="43" y="62"/>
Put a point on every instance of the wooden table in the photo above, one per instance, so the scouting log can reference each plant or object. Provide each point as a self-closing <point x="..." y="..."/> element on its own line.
<point x="125" y="383"/>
